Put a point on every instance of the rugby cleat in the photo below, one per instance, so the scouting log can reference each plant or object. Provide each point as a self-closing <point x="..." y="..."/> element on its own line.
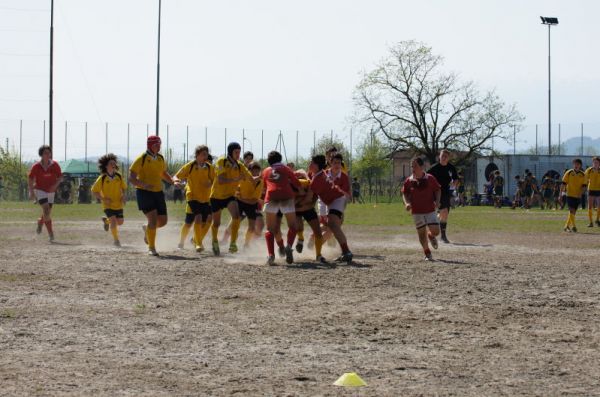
<point x="51" y="237"/>
<point x="117" y="243"/>
<point x="445" y="239"/>
<point x="345" y="257"/>
<point x="233" y="248"/>
<point x="145" y="235"/>
<point x="567" y="229"/>
<point x="180" y="246"/>
<point x="152" y="252"/>
<point x="289" y="255"/>
<point x="428" y="257"/>
<point x="271" y="260"/>
<point x="105" y="223"/>
<point x="598" y="223"/>
<point x="199" y="248"/>
<point x="574" y="229"/>
<point x="215" y="248"/>
<point x="591" y="224"/>
<point x="299" y="246"/>
<point x="281" y="252"/>
<point x="320" y="259"/>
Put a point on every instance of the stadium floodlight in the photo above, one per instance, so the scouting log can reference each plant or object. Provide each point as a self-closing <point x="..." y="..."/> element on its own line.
<point x="550" y="21"/>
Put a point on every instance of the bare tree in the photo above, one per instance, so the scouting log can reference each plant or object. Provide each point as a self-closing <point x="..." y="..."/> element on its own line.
<point x="419" y="107"/>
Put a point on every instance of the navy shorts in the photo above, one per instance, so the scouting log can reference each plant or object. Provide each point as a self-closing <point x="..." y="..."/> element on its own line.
<point x="445" y="200"/>
<point x="308" y="215"/>
<point x="197" y="208"/>
<point x="594" y="193"/>
<point x="217" y="205"/>
<point x="573" y="202"/>
<point x="151" y="201"/>
<point x="248" y="210"/>
<point x="110" y="213"/>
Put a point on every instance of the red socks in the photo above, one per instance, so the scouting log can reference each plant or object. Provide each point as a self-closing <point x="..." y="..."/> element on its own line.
<point x="270" y="243"/>
<point x="49" y="226"/>
<point x="291" y="236"/>
<point x="40" y="221"/>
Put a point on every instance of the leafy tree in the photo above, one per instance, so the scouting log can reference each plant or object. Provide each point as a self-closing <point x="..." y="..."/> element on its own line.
<point x="14" y="176"/>
<point x="420" y="107"/>
<point x="373" y="163"/>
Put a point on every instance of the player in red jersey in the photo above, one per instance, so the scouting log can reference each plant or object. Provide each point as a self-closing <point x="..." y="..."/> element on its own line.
<point x="334" y="199"/>
<point x="340" y="178"/>
<point x="44" y="177"/>
<point x="279" y="182"/>
<point x="422" y="194"/>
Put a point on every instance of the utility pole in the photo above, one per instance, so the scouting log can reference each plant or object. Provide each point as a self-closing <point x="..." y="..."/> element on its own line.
<point x="51" y="99"/>
<point x="158" y="71"/>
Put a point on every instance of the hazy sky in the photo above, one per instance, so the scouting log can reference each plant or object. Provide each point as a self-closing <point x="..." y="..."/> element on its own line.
<point x="277" y="64"/>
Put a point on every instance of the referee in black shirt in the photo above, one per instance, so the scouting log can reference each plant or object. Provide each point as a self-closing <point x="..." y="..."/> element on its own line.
<point x="447" y="176"/>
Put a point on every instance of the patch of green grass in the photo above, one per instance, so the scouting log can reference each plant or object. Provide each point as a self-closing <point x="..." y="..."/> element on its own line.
<point x="377" y="215"/>
<point x="139" y="308"/>
<point x="8" y="313"/>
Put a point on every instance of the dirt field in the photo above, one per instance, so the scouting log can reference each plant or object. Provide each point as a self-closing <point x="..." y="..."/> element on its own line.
<point x="497" y="314"/>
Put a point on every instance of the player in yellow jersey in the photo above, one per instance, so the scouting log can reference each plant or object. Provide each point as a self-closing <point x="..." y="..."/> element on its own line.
<point x="592" y="176"/>
<point x="248" y="197"/>
<point x="200" y="175"/>
<point x="147" y="173"/>
<point x="110" y="189"/>
<point x="229" y="172"/>
<point x="574" y="185"/>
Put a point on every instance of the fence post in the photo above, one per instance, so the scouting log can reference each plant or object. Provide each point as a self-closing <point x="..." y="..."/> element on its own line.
<point x="314" y="151"/>
<point x="331" y="138"/>
<point x="262" y="144"/>
<point x="44" y="132"/>
<point x="65" y="140"/>
<point x="582" y="139"/>
<point x="147" y="130"/>
<point x="168" y="151"/>
<point x="86" y="147"/>
<point x="127" y="148"/>
<point x="225" y="140"/>
<point x="350" y="159"/>
<point x="106" y="138"/>
<point x="187" y="143"/>
<point x="206" y="136"/>
<point x="559" y="139"/>
<point x="20" y="160"/>
<point x="536" y="139"/>
<point x="514" y="140"/>
<point x="296" y="148"/>
<point x="243" y="141"/>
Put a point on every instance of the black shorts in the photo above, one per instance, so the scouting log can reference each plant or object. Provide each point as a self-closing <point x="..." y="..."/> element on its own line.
<point x="308" y="215"/>
<point x="445" y="200"/>
<point x="279" y="214"/>
<point x="110" y="213"/>
<point x="498" y="190"/>
<point x="197" y="208"/>
<point x="528" y="192"/>
<point x="548" y="194"/>
<point x="573" y="202"/>
<point x="150" y="201"/>
<point x="248" y="210"/>
<point x="594" y="193"/>
<point x="356" y="193"/>
<point x="217" y="205"/>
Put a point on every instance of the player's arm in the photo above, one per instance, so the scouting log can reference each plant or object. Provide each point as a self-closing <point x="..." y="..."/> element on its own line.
<point x="181" y="175"/>
<point x="97" y="191"/>
<point x="406" y="199"/>
<point x="133" y="179"/>
<point x="30" y="181"/>
<point x="59" y="179"/>
<point x="167" y="177"/>
<point x="438" y="198"/>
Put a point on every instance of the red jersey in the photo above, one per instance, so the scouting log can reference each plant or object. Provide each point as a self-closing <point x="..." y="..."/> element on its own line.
<point x="324" y="187"/>
<point x="421" y="193"/>
<point x="279" y="180"/>
<point x="340" y="180"/>
<point x="45" y="178"/>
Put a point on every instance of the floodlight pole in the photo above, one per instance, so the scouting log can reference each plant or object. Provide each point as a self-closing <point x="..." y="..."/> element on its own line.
<point x="157" y="132"/>
<point x="549" y="99"/>
<point x="51" y="94"/>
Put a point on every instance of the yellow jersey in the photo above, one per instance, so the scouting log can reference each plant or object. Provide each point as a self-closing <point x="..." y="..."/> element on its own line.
<point x="112" y="188"/>
<point x="149" y="170"/>
<point x="575" y="181"/>
<point x="593" y="178"/>
<point x="229" y="170"/>
<point x="251" y="190"/>
<point x="199" y="180"/>
<point x="302" y="194"/>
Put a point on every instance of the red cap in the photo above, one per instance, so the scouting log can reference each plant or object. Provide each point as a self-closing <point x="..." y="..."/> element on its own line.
<point x="153" y="140"/>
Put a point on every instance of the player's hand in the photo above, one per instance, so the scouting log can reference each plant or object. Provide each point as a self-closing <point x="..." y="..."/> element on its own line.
<point x="32" y="196"/>
<point x="124" y="200"/>
<point x="408" y="207"/>
<point x="146" y="186"/>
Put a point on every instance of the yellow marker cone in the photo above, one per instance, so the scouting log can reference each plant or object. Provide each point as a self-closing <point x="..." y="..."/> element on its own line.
<point x="350" y="379"/>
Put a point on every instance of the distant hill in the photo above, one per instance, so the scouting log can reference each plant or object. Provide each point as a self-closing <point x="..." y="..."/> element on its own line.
<point x="572" y="146"/>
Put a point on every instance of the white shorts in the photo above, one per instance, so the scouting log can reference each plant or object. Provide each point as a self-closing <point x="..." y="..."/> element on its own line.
<point x="43" y="197"/>
<point x="422" y="220"/>
<point x="339" y="205"/>
<point x="322" y="208"/>
<point x="285" y="206"/>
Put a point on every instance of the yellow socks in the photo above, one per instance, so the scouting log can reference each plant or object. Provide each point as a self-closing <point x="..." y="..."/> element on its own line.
<point x="570" y="220"/>
<point x="115" y="232"/>
<point x="151" y="238"/>
<point x="235" y="228"/>
<point x="591" y="214"/>
<point x="198" y="237"/>
<point x="300" y="235"/>
<point x="185" y="229"/>
<point x="204" y="230"/>
<point x="318" y="244"/>
<point x="215" y="233"/>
